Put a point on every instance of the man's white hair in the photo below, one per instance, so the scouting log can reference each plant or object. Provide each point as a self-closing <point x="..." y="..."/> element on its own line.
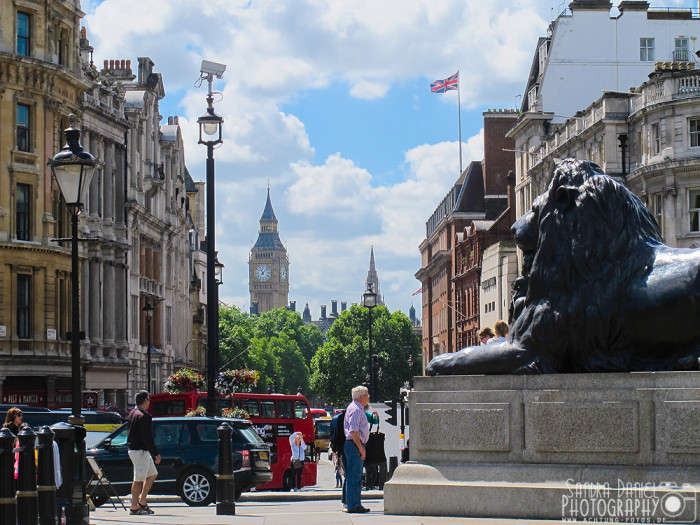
<point x="358" y="392"/>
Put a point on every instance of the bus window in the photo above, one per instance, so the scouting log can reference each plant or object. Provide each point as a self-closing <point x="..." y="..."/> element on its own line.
<point x="251" y="406"/>
<point x="267" y="409"/>
<point x="223" y="404"/>
<point x="165" y="408"/>
<point x="284" y="409"/>
<point x="300" y="410"/>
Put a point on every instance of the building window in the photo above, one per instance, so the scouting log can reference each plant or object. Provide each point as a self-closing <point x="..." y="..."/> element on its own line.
<point x="23" y="306"/>
<point x="23" y="127"/>
<point x="23" y="213"/>
<point x="681" y="53"/>
<point x="655" y="139"/>
<point x="23" y="34"/>
<point x="646" y="49"/>
<point x="694" y="131"/>
<point x="694" y="210"/>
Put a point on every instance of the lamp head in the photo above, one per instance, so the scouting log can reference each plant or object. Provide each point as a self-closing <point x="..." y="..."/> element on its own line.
<point x="73" y="168"/>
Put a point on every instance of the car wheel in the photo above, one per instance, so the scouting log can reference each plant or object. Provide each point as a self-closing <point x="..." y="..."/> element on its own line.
<point x="287" y="482"/>
<point x="99" y="500"/>
<point x="197" y="487"/>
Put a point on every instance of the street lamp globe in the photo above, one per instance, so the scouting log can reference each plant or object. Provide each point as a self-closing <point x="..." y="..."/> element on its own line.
<point x="218" y="271"/>
<point x="148" y="310"/>
<point x="369" y="298"/>
<point x="73" y="168"/>
<point x="210" y="127"/>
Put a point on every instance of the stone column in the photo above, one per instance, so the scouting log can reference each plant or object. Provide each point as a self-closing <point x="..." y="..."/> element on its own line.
<point x="95" y="303"/>
<point x="109" y="181"/>
<point x="120" y="277"/>
<point x="108" y="302"/>
<point x="119" y="175"/>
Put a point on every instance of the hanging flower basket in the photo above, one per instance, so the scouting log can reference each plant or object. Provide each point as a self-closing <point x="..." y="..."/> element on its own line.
<point x="235" y="412"/>
<point x="231" y="381"/>
<point x="184" y="380"/>
<point x="200" y="411"/>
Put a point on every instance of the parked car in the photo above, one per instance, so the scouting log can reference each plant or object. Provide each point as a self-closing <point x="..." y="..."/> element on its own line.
<point x="189" y="451"/>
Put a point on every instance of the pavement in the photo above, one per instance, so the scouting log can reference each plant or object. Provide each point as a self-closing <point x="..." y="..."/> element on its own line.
<point x="317" y="505"/>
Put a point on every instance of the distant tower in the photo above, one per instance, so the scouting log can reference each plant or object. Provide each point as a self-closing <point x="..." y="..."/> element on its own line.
<point x="306" y="316"/>
<point x="268" y="266"/>
<point x="412" y="315"/>
<point x="373" y="279"/>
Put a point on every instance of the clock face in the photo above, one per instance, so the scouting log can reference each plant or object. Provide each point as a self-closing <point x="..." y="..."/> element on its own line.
<point x="262" y="272"/>
<point x="283" y="274"/>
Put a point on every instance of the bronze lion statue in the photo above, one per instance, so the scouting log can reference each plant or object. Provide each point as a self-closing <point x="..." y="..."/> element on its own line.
<point x="604" y="294"/>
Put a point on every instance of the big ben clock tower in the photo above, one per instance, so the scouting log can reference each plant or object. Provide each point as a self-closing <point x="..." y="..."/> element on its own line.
<point x="268" y="266"/>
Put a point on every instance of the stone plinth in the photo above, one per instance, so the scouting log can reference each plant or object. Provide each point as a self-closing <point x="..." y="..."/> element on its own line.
<point x="537" y="446"/>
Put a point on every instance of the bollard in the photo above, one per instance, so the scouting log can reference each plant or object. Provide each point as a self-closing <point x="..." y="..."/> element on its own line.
<point x="26" y="478"/>
<point x="225" y="487"/>
<point x="8" y="503"/>
<point x="393" y="464"/>
<point x="46" y="479"/>
<point x="382" y="475"/>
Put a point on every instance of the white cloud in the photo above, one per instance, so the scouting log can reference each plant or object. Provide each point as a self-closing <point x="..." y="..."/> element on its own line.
<point x="331" y="209"/>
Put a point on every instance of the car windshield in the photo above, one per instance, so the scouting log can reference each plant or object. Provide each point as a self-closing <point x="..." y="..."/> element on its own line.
<point x="120" y="437"/>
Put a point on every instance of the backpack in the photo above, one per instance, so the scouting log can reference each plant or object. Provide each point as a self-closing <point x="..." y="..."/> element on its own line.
<point x="338" y="432"/>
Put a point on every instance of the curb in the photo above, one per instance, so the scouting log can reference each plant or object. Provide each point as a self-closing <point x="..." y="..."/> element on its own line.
<point x="279" y="496"/>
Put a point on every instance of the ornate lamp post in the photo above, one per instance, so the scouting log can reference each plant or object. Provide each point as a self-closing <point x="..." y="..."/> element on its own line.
<point x="148" y="310"/>
<point x="210" y="129"/>
<point x="73" y="168"/>
<point x="369" y="301"/>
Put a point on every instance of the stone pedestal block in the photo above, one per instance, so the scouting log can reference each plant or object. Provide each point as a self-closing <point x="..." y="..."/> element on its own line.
<point x="576" y="446"/>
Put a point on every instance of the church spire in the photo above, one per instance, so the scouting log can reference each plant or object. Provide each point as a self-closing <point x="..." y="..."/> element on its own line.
<point x="372" y="280"/>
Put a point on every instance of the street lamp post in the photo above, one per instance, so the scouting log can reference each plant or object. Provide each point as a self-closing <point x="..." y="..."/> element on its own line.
<point x="369" y="301"/>
<point x="148" y="309"/>
<point x="73" y="168"/>
<point x="210" y="129"/>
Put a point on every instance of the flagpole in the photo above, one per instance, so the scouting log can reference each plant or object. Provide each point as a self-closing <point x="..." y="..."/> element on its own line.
<point x="459" y="112"/>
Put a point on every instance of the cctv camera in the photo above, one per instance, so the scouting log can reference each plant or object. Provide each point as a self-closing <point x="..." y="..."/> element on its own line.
<point x="213" y="68"/>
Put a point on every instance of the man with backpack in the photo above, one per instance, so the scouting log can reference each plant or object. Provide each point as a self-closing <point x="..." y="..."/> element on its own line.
<point x="356" y="430"/>
<point x="338" y="444"/>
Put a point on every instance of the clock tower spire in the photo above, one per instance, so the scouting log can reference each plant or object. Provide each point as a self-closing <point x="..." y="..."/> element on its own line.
<point x="268" y="265"/>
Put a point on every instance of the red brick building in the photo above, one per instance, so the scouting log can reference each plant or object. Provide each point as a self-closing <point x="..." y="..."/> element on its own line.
<point x="450" y="277"/>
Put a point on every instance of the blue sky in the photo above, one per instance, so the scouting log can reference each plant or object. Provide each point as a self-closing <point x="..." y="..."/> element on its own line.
<point x="329" y="100"/>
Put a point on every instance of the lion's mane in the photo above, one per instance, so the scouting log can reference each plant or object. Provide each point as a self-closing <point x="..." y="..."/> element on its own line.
<point x="584" y="225"/>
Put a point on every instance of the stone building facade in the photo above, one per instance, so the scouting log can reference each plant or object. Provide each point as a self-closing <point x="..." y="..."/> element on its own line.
<point x="647" y="137"/>
<point x="41" y="82"/>
<point x="135" y="220"/>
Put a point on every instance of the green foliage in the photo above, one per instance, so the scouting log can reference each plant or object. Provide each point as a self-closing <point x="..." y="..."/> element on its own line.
<point x="343" y="361"/>
<point x="277" y="344"/>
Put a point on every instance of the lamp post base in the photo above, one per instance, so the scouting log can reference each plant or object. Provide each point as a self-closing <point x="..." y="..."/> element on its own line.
<point x="78" y="512"/>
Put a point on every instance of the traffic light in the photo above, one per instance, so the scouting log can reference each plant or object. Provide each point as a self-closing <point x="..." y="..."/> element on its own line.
<point x="391" y="412"/>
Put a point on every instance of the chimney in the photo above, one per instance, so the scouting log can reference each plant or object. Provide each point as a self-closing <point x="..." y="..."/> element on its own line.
<point x="334" y="308"/>
<point x="292" y="306"/>
<point x="343" y="306"/>
<point x="323" y="312"/>
<point x="510" y="182"/>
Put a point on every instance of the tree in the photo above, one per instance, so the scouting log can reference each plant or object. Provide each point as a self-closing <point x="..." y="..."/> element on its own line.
<point x="343" y="361"/>
<point x="235" y="334"/>
<point x="280" y="320"/>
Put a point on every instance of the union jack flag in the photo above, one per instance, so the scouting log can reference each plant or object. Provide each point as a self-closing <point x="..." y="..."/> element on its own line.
<point x="440" y="86"/>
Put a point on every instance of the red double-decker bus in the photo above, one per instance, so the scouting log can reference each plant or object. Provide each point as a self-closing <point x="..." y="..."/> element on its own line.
<point x="275" y="417"/>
